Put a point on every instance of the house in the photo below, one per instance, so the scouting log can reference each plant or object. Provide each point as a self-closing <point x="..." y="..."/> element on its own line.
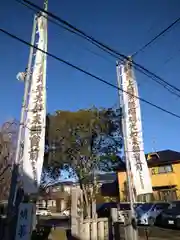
<point x="57" y="196"/>
<point x="164" y="167"/>
<point x="104" y="178"/>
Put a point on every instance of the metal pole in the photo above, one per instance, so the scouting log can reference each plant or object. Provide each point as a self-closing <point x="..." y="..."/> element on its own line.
<point x="12" y="203"/>
<point x="130" y="189"/>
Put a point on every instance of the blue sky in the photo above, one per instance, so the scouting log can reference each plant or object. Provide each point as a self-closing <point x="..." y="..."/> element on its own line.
<point x="125" y="25"/>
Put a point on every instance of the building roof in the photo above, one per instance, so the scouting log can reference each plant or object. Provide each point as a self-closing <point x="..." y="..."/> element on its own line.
<point x="157" y="158"/>
<point x="105" y="177"/>
<point x="163" y="157"/>
<point x="63" y="183"/>
<point x="100" y="178"/>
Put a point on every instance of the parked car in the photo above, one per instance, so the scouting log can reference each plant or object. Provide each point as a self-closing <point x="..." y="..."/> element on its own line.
<point x="170" y="216"/>
<point x="148" y="212"/>
<point x="43" y="212"/>
<point x="104" y="210"/>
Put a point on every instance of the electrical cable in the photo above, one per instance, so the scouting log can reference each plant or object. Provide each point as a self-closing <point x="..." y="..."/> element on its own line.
<point x="67" y="29"/>
<point x="105" y="48"/>
<point x="157" y="81"/>
<point x="171" y="57"/>
<point x="88" y="73"/>
<point x="156" y="37"/>
<point x="113" y="55"/>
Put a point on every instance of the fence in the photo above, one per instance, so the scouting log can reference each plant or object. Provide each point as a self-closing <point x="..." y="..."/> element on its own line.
<point x="99" y="228"/>
<point x="86" y="229"/>
<point x="94" y="229"/>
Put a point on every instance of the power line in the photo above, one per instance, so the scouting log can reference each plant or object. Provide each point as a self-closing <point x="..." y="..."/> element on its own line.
<point x="157" y="36"/>
<point x="70" y="28"/>
<point x="88" y="73"/>
<point x="158" y="81"/>
<point x="102" y="48"/>
<point x="171" y="57"/>
<point x="67" y="29"/>
<point x="106" y="48"/>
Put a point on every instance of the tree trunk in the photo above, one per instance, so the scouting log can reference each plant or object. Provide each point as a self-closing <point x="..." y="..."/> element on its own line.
<point x="87" y="203"/>
<point x="85" y="198"/>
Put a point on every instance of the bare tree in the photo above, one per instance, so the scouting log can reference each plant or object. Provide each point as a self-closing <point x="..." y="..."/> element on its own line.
<point x="8" y="139"/>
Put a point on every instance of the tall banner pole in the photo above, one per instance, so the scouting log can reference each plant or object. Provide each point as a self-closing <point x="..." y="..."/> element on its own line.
<point x="120" y="76"/>
<point x="34" y="137"/>
<point x="131" y="232"/>
<point x="34" y="133"/>
<point x="29" y="159"/>
<point x="133" y="133"/>
<point x="138" y="176"/>
<point x="16" y="193"/>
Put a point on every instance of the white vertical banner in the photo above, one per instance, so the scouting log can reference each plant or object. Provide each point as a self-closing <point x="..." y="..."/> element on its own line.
<point x="34" y="141"/>
<point x="134" y="139"/>
<point x="25" y="219"/>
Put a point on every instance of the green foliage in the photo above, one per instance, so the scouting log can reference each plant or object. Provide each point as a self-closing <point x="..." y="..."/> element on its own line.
<point x="103" y="199"/>
<point x="83" y="141"/>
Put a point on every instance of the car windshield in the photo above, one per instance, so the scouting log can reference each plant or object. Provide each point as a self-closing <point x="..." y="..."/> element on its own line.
<point x="43" y="209"/>
<point x="144" y="207"/>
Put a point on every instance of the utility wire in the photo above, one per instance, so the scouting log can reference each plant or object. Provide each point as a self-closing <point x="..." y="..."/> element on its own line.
<point x="97" y="54"/>
<point x="88" y="73"/>
<point x="67" y="29"/>
<point x="112" y="54"/>
<point x="106" y="48"/>
<point x="157" y="36"/>
<point x="158" y="81"/>
<point x="171" y="57"/>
